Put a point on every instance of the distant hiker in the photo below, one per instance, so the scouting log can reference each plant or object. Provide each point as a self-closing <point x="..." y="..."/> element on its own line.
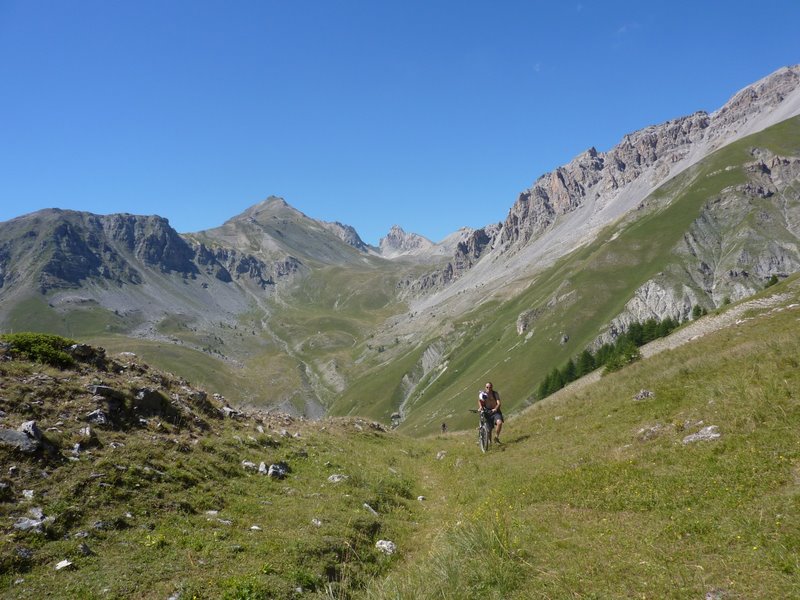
<point x="491" y="400"/>
<point x="444" y="427"/>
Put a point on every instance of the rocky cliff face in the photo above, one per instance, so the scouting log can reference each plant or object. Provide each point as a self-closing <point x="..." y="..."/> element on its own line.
<point x="151" y="239"/>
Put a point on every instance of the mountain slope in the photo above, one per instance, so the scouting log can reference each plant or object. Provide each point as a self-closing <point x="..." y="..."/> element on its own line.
<point x="289" y="312"/>
<point x="637" y="268"/>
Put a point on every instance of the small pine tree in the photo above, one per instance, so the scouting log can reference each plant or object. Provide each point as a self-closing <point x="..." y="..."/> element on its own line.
<point x="635" y="333"/>
<point x="586" y="363"/>
<point x="649" y="331"/>
<point x="603" y="354"/>
<point x="569" y="372"/>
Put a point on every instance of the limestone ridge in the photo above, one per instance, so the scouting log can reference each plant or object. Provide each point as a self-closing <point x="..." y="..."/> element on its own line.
<point x="616" y="181"/>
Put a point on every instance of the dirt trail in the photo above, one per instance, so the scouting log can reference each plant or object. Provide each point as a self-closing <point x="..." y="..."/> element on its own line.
<point x="692" y="331"/>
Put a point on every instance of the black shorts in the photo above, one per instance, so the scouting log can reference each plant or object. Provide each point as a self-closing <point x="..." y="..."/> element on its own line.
<point x="494" y="417"/>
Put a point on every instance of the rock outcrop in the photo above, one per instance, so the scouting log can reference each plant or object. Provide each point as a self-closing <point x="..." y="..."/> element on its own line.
<point x="347" y="234"/>
<point x="227" y="264"/>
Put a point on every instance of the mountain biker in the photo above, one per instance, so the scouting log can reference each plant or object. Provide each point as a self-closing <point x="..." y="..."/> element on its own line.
<point x="490" y="398"/>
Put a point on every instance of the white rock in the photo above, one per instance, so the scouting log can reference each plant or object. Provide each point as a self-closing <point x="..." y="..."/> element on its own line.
<point x="336" y="478"/>
<point x="706" y="434"/>
<point x="64" y="564"/>
<point x="386" y="546"/>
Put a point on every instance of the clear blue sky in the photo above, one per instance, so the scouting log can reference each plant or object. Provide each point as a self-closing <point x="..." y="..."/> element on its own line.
<point x="428" y="114"/>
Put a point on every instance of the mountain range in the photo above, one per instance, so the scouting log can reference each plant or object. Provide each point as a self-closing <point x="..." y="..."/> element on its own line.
<point x="276" y="309"/>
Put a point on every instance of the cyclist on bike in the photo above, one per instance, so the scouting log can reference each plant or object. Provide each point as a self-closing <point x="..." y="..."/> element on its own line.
<point x="490" y="399"/>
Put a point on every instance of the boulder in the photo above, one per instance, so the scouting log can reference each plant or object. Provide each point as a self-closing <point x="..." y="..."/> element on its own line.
<point x="148" y="401"/>
<point x="27" y="438"/>
<point x="278" y="470"/>
<point x="19" y="441"/>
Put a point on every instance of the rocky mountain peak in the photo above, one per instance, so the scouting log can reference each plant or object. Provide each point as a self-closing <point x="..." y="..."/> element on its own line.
<point x="398" y="242"/>
<point x="266" y="209"/>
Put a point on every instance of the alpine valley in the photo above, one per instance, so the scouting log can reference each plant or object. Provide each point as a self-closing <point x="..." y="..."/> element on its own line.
<point x="277" y="310"/>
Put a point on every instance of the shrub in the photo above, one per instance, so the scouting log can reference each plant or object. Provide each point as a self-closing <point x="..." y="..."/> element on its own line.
<point x="41" y="347"/>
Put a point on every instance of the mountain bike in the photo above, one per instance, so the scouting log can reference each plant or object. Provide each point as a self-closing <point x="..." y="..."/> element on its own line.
<point x="484" y="428"/>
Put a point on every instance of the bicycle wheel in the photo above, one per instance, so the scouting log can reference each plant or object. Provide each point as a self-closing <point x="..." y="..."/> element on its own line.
<point x="484" y="438"/>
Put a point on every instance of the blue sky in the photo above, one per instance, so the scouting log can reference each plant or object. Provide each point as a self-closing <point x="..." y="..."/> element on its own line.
<point x="428" y="114"/>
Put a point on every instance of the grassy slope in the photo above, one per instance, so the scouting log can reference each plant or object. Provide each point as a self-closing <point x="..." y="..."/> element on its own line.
<point x="142" y="507"/>
<point x="592" y="495"/>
